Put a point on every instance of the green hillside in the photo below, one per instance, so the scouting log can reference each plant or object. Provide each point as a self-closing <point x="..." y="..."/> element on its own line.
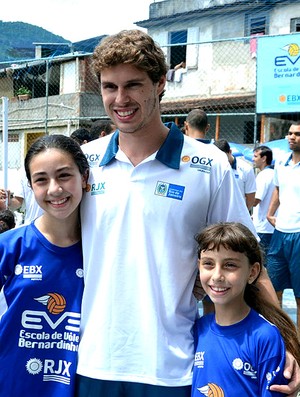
<point x="17" y="38"/>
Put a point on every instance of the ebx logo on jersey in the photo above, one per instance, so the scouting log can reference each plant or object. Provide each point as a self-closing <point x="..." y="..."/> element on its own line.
<point x="53" y="328"/>
<point x="199" y="359"/>
<point x="202" y="164"/>
<point x="33" y="272"/>
<point x="55" y="371"/>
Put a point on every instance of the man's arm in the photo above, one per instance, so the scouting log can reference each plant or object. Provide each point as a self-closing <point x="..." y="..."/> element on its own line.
<point x="256" y="202"/>
<point x="266" y="288"/>
<point x="250" y="197"/>
<point x="292" y="372"/>
<point x="13" y="202"/>
<point x="274" y="204"/>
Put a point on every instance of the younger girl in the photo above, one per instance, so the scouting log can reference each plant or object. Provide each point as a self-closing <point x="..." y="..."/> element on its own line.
<point x="41" y="277"/>
<point x="239" y="352"/>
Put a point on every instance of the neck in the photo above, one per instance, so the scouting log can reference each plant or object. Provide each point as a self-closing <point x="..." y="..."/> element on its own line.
<point x="141" y="144"/>
<point x="195" y="134"/>
<point x="296" y="157"/>
<point x="231" y="314"/>
<point x="60" y="232"/>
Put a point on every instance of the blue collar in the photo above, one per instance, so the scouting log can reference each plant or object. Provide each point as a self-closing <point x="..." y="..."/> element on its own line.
<point x="203" y="140"/>
<point x="169" y="153"/>
<point x="233" y="165"/>
<point x="288" y="160"/>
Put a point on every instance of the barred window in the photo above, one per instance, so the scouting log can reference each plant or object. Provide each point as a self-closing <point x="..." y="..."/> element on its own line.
<point x="295" y="25"/>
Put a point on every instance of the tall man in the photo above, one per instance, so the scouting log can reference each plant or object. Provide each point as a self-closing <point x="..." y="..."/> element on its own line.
<point x="262" y="159"/>
<point x="151" y="190"/>
<point x="284" y="250"/>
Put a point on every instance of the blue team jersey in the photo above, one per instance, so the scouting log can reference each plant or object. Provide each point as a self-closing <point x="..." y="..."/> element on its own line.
<point x="243" y="359"/>
<point x="40" y="301"/>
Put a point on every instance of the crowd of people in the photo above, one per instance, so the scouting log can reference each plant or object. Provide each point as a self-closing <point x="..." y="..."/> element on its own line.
<point x="114" y="262"/>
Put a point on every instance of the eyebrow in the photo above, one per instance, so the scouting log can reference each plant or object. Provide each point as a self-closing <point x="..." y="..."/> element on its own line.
<point x="66" y="168"/>
<point x="136" y="80"/>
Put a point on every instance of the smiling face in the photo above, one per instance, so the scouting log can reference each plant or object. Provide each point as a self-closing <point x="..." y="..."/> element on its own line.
<point x="224" y="274"/>
<point x="130" y="97"/>
<point x="57" y="183"/>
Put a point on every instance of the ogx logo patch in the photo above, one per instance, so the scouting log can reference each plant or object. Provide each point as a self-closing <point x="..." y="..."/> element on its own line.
<point x="202" y="164"/>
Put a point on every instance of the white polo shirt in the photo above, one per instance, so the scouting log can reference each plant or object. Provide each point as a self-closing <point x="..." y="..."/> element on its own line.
<point x="287" y="177"/>
<point x="140" y="256"/>
<point x="264" y="190"/>
<point x="244" y="175"/>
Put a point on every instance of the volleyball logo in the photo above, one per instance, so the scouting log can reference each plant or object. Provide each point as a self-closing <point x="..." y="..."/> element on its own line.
<point x="293" y="50"/>
<point x="211" y="390"/>
<point x="55" y="302"/>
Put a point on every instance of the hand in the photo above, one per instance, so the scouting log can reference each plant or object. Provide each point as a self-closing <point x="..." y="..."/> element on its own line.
<point x="272" y="220"/>
<point x="292" y="372"/>
<point x="3" y="194"/>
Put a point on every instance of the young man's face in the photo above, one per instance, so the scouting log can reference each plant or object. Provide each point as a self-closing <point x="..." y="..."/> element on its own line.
<point x="258" y="160"/>
<point x="294" y="137"/>
<point x="130" y="97"/>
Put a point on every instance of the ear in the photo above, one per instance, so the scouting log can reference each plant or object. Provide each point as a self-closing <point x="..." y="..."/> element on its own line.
<point x="254" y="272"/>
<point x="85" y="179"/>
<point x="161" y="84"/>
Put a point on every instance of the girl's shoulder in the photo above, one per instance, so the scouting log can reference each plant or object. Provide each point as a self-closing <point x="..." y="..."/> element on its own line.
<point x="15" y="234"/>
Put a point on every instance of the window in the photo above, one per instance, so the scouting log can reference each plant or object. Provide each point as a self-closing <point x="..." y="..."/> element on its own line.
<point x="256" y="24"/>
<point x="295" y="25"/>
<point x="178" y="52"/>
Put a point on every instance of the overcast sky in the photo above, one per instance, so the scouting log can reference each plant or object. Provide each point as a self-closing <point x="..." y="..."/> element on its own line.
<point x="77" y="20"/>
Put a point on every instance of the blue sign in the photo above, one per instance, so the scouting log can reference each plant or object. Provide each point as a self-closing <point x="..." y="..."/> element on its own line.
<point x="278" y="74"/>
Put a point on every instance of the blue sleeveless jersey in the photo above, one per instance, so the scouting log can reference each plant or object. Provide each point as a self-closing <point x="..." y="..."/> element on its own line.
<point x="40" y="300"/>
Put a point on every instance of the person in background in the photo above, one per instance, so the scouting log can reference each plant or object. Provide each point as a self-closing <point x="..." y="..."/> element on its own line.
<point x="102" y="128"/>
<point x="284" y="250"/>
<point x="151" y="189"/>
<point x="262" y="159"/>
<point x="22" y="198"/>
<point x="242" y="335"/>
<point x="81" y="136"/>
<point x="41" y="277"/>
<point x="7" y="220"/>
<point x="243" y="173"/>
<point x="196" y="125"/>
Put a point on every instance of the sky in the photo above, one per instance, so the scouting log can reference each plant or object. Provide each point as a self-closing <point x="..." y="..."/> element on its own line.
<point x="77" y="20"/>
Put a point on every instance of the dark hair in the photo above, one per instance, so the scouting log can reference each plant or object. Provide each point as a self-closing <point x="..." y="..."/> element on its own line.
<point x="60" y="142"/>
<point x="238" y="238"/>
<point x="295" y="123"/>
<point x="133" y="47"/>
<point x="265" y="151"/>
<point x="80" y="135"/>
<point x="223" y="145"/>
<point x="7" y="220"/>
<point x="197" y="119"/>
<point x="105" y="126"/>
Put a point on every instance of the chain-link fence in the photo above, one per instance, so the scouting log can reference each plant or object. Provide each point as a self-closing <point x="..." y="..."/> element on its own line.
<point x="60" y="94"/>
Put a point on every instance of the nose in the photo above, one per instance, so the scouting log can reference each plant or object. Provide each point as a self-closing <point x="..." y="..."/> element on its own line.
<point x="54" y="187"/>
<point x="217" y="275"/>
<point x="122" y="96"/>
